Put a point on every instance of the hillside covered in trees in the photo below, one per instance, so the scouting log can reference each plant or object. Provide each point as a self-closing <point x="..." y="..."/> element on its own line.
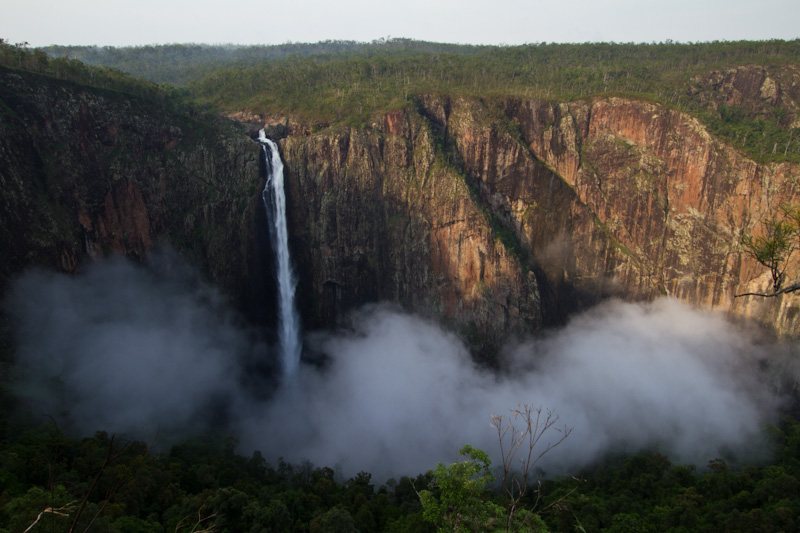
<point x="332" y="82"/>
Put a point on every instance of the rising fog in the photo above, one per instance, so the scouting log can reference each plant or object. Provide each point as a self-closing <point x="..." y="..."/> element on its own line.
<point x="132" y="350"/>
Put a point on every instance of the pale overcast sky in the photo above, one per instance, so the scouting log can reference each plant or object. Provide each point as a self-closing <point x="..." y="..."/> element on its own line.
<point x="139" y="22"/>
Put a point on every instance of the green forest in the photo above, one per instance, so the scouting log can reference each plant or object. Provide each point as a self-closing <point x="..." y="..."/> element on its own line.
<point x="343" y="82"/>
<point x="52" y="481"/>
<point x="107" y="484"/>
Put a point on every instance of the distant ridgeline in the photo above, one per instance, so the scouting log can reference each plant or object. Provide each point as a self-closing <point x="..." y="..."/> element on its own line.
<point x="101" y="76"/>
<point x="347" y="82"/>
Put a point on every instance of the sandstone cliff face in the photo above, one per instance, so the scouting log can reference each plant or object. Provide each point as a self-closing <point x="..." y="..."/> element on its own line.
<point x="625" y="196"/>
<point x="494" y="218"/>
<point x="378" y="215"/>
<point x="673" y="196"/>
<point x="88" y="172"/>
<point x="605" y="196"/>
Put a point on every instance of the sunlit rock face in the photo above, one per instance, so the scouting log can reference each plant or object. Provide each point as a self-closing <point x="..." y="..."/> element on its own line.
<point x="598" y="197"/>
<point x="674" y="199"/>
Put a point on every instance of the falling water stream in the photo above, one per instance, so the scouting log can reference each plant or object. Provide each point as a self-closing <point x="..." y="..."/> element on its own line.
<point x="275" y="205"/>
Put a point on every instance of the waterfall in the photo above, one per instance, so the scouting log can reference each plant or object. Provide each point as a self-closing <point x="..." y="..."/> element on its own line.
<point x="275" y="205"/>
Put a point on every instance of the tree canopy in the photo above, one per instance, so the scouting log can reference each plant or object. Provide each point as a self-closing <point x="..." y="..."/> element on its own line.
<point x="347" y="82"/>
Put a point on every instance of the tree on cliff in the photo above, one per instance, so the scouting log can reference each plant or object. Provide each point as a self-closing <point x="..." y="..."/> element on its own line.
<point x="773" y="249"/>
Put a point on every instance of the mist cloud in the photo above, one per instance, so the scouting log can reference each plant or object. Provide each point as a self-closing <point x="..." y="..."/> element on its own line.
<point x="120" y="348"/>
<point x="403" y="392"/>
<point x="131" y="347"/>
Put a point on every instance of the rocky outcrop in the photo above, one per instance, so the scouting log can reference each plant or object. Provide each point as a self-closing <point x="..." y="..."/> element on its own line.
<point x="753" y="89"/>
<point x="87" y="172"/>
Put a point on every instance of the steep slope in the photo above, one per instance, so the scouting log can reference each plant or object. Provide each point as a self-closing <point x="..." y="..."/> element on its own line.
<point x="495" y="216"/>
<point x="675" y="198"/>
<point x="659" y="204"/>
<point x="379" y="215"/>
<point x="597" y="197"/>
<point x="88" y="172"/>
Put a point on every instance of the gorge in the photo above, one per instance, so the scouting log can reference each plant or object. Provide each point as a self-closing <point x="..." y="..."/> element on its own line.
<point x="495" y="217"/>
<point x="485" y="222"/>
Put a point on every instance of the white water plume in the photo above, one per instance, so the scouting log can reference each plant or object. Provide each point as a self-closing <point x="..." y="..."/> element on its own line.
<point x="275" y="204"/>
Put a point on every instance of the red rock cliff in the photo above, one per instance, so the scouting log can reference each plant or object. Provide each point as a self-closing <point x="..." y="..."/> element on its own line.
<point x="378" y="215"/>
<point x="603" y="196"/>
<point x="658" y="204"/>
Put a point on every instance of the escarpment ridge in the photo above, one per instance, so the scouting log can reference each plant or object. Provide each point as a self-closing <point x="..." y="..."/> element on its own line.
<point x="495" y="215"/>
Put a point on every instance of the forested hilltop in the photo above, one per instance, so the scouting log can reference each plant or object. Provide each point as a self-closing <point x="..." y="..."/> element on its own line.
<point x="343" y="81"/>
<point x="179" y="64"/>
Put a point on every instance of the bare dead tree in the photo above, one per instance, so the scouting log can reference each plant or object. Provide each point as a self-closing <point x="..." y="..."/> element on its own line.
<point x="520" y="436"/>
<point x="198" y="526"/>
<point x="58" y="511"/>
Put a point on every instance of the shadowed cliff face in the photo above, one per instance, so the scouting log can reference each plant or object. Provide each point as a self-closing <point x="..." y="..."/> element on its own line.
<point x="88" y="173"/>
<point x="378" y="215"/>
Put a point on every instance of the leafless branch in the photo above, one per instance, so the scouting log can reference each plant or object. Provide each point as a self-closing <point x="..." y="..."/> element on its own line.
<point x="200" y="520"/>
<point x="59" y="511"/>
<point x="790" y="288"/>
<point x="524" y="431"/>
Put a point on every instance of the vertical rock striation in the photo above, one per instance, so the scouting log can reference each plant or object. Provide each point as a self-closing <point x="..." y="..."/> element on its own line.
<point x="516" y="213"/>
<point x="379" y="215"/>
<point x="494" y="216"/>
<point x="89" y="172"/>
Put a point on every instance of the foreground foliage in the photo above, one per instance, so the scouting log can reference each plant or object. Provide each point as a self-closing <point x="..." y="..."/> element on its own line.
<point x="459" y="503"/>
<point x="203" y="485"/>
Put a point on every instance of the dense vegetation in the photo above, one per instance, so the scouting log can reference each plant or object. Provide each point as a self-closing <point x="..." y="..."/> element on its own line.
<point x="353" y="88"/>
<point x="347" y="82"/>
<point x="342" y="81"/>
<point x="109" y="485"/>
<point x="179" y="64"/>
<point x="177" y="101"/>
